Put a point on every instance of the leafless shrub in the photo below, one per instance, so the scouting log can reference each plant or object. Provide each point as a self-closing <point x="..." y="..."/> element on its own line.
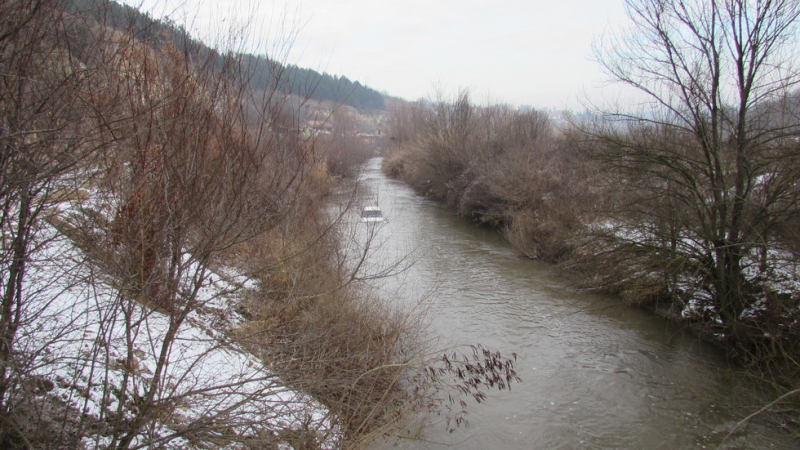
<point x="345" y="151"/>
<point x="45" y="144"/>
<point x="508" y="169"/>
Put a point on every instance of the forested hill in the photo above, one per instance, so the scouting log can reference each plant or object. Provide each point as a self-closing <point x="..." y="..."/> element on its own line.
<point x="303" y="82"/>
<point x="308" y="83"/>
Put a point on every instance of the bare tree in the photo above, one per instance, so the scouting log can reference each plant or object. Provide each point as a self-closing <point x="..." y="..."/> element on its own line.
<point x="46" y="147"/>
<point x="706" y="172"/>
<point x="143" y="159"/>
<point x="140" y="178"/>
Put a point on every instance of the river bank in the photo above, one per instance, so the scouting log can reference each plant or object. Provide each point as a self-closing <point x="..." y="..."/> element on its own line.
<point x="559" y="195"/>
<point x="596" y="372"/>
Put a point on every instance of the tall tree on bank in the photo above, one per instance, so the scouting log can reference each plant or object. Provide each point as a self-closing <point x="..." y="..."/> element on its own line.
<point x="708" y="173"/>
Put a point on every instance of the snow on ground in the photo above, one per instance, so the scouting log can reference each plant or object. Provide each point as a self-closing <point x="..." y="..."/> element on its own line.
<point x="101" y="351"/>
<point x="782" y="275"/>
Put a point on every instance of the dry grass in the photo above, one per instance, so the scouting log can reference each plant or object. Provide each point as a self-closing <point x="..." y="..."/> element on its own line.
<point x="324" y="336"/>
<point x="369" y="363"/>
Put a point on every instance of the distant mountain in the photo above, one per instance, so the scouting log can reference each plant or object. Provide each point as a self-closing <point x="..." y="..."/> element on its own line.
<point x="291" y="79"/>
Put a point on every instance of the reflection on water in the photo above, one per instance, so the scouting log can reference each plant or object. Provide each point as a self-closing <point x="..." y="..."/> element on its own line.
<point x="596" y="375"/>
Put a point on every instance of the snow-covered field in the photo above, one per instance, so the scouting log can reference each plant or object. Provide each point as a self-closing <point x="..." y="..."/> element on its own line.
<point x="99" y="351"/>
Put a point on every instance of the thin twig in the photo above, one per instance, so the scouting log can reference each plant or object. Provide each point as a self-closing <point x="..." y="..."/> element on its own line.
<point x="751" y="416"/>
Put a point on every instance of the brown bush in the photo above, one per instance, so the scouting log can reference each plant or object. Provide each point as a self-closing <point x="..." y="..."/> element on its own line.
<point x="504" y="168"/>
<point x="344" y="150"/>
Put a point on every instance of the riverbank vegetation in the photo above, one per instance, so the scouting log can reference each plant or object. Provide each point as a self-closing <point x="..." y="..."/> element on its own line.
<point x="170" y="273"/>
<point x="509" y="169"/>
<point x="688" y="205"/>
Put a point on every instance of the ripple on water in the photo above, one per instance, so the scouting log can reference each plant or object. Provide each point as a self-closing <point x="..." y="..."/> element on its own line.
<point x="595" y="375"/>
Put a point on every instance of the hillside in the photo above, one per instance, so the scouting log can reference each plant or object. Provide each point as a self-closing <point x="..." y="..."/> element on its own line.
<point x="265" y="73"/>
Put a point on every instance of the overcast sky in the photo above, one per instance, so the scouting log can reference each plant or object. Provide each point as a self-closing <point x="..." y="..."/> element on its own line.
<point x="534" y="52"/>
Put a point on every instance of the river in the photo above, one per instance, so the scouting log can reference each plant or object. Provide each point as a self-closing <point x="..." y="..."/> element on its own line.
<point x="595" y="374"/>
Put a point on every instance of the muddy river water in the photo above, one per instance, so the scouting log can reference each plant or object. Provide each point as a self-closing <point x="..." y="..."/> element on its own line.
<point x="595" y="374"/>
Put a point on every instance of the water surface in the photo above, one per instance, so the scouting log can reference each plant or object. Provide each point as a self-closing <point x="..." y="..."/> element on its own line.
<point x="596" y="374"/>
